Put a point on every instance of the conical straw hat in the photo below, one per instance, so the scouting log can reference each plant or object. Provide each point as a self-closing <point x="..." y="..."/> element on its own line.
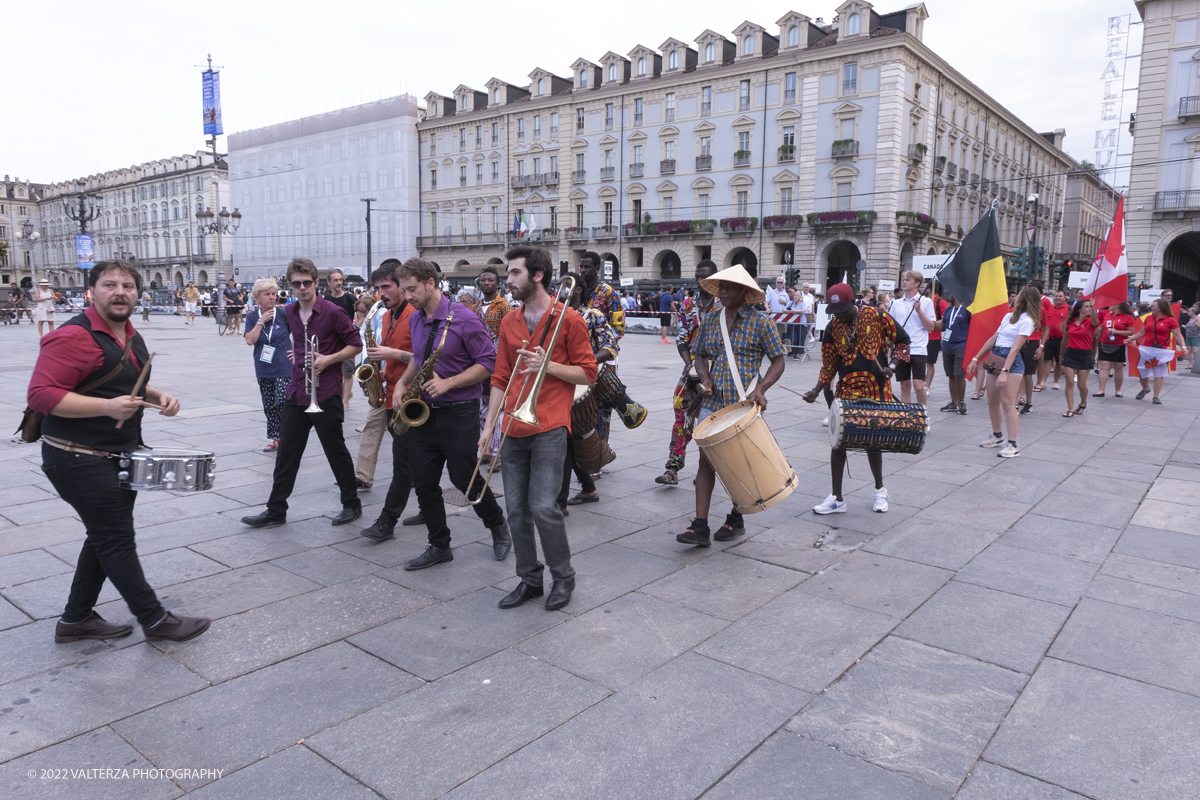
<point x="735" y="274"/>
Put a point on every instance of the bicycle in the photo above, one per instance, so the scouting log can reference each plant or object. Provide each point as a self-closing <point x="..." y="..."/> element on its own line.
<point x="223" y="321"/>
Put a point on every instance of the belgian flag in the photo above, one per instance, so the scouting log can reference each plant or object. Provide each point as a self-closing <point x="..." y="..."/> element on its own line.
<point x="975" y="276"/>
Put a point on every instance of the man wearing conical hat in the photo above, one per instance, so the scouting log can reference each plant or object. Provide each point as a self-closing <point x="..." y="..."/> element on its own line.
<point x="752" y="338"/>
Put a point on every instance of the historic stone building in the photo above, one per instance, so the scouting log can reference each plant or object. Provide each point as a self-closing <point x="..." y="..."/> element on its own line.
<point x="1163" y="207"/>
<point x="18" y="206"/>
<point x="807" y="143"/>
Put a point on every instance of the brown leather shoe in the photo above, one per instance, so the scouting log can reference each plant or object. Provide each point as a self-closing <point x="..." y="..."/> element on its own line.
<point x="94" y="627"/>
<point x="176" y="629"/>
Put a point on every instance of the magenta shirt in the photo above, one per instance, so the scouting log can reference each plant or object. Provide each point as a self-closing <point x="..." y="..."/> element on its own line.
<point x="334" y="331"/>
<point x="468" y="343"/>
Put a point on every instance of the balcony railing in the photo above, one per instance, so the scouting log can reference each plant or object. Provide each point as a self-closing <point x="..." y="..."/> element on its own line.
<point x="608" y="124"/>
<point x="670" y="115"/>
<point x="551" y="178"/>
<point x="579" y="126"/>
<point x="789" y="96"/>
<point x="579" y="176"/>
<point x="984" y="183"/>
<point x="462" y="182"/>
<point x="916" y="153"/>
<point x="850" y="87"/>
<point x="974" y="179"/>
<point x="519" y="181"/>
<point x="604" y="231"/>
<point x="637" y="170"/>
<point x="951" y="169"/>
<point x="666" y="166"/>
<point x="741" y="158"/>
<point x="787" y="152"/>
<point x="845" y="147"/>
<point x="536" y="179"/>
<point x="703" y="162"/>
<point x="705" y="109"/>
<point x="1189" y="106"/>
<point x="1186" y="199"/>
<point x="964" y="175"/>
<point x="607" y="173"/>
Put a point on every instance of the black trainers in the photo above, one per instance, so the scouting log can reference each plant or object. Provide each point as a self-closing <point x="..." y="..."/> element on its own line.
<point x="1027" y="408"/>
<point x="732" y="528"/>
<point x="697" y="534"/>
<point x="951" y="406"/>
<point x="962" y="409"/>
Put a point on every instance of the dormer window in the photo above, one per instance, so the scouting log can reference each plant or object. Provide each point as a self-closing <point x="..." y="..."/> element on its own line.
<point x="433" y="108"/>
<point x="748" y="46"/>
<point x="642" y="66"/>
<point x="496" y="96"/>
<point x="673" y="60"/>
<point x="709" y="50"/>
<point x="583" y="78"/>
<point x="612" y="72"/>
<point x="793" y="36"/>
<point x="541" y="86"/>
<point x="853" y="25"/>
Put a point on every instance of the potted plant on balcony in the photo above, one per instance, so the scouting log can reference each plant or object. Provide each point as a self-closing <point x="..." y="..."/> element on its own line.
<point x="781" y="222"/>
<point x="741" y="155"/>
<point x="821" y="221"/>
<point x="739" y="224"/>
<point x="675" y="226"/>
<point x="843" y="147"/>
<point x="703" y="225"/>
<point x="915" y="221"/>
<point x="787" y="151"/>
<point x="922" y="148"/>
<point x="940" y="164"/>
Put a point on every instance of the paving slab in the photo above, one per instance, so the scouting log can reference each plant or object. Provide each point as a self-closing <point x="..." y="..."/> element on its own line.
<point x="659" y="540"/>
<point x="268" y="634"/>
<point x="799" y="546"/>
<point x="98" y="765"/>
<point x="326" y="566"/>
<point x="11" y="616"/>
<point x="46" y="598"/>
<point x="608" y="571"/>
<point x="877" y="583"/>
<point x="1153" y="544"/>
<point x="984" y="512"/>
<point x="787" y="767"/>
<point x="296" y="773"/>
<point x="1167" y="602"/>
<point x="621" y="641"/>
<point x="473" y="568"/>
<point x="918" y="711"/>
<point x="939" y="544"/>
<point x="997" y="627"/>
<point x="1096" y="508"/>
<point x="1068" y="538"/>
<point x="1152" y="573"/>
<point x="63" y="703"/>
<point x="425" y="743"/>
<point x="628" y="746"/>
<point x="990" y="782"/>
<point x="30" y="649"/>
<point x="31" y="565"/>
<point x="1167" y="516"/>
<point x="725" y="585"/>
<point x="1102" y="735"/>
<point x="1023" y="572"/>
<point x="19" y="538"/>
<point x="210" y="727"/>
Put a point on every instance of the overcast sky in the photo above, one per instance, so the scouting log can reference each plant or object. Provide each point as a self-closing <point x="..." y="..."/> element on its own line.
<point x="91" y="88"/>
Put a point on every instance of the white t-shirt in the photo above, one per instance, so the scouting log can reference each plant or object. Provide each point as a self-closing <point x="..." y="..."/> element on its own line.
<point x="902" y="309"/>
<point x="1008" y="332"/>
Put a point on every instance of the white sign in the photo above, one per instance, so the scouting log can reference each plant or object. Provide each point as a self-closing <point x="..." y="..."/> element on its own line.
<point x="1150" y="295"/>
<point x="1029" y="233"/>
<point x="929" y="265"/>
<point x="1077" y="280"/>
<point x="627" y="281"/>
<point x="608" y="270"/>
<point x="886" y="286"/>
<point x="822" y="316"/>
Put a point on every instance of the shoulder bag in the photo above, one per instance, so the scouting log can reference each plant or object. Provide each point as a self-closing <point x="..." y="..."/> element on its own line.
<point x="31" y="422"/>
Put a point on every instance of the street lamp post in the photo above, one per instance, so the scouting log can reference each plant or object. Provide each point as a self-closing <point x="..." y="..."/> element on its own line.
<point x="368" y="201"/>
<point x="27" y="236"/>
<point x="222" y="224"/>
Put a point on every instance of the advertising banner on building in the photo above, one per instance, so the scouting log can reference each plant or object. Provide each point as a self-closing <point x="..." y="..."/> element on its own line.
<point x="211" y="83"/>
<point x="84" y="257"/>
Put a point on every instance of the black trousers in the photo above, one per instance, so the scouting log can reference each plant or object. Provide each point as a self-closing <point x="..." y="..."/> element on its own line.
<point x="449" y="439"/>
<point x="401" y="485"/>
<point x="586" y="484"/>
<point x="89" y="484"/>
<point x="294" y="425"/>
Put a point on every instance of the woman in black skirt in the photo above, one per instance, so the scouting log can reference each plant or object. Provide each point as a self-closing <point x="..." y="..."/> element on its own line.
<point x="1116" y="324"/>
<point x="1080" y="332"/>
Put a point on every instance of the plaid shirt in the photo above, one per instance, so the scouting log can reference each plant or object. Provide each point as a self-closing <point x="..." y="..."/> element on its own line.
<point x="608" y="303"/>
<point x="600" y="333"/>
<point x="689" y="324"/>
<point x="753" y="337"/>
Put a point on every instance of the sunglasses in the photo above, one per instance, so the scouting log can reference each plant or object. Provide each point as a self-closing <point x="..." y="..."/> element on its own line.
<point x="301" y="284"/>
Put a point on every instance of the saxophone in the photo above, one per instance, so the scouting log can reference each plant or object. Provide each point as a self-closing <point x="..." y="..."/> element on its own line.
<point x="412" y="411"/>
<point x="370" y="374"/>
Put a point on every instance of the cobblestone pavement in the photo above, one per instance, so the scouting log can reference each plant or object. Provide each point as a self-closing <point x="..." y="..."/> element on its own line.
<point x="1025" y="628"/>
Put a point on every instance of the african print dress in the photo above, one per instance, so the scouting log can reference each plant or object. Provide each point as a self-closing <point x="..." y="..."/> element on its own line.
<point x="848" y="349"/>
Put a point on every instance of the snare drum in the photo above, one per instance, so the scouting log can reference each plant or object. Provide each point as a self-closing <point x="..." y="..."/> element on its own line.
<point x="583" y="412"/>
<point x="167" y="468"/>
<point x="873" y="425"/>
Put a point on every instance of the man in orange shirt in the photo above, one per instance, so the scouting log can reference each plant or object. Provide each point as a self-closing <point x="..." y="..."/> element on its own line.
<point x="532" y="457"/>
<point x="395" y="350"/>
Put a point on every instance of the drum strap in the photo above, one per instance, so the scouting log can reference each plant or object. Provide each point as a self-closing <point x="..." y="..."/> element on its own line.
<point x="734" y="370"/>
<point x="73" y="447"/>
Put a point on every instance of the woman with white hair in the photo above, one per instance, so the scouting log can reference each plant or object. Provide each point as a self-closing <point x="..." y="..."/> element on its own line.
<point x="267" y="332"/>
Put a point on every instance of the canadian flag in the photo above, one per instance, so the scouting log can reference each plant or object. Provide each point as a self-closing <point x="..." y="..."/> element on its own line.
<point x="1109" y="278"/>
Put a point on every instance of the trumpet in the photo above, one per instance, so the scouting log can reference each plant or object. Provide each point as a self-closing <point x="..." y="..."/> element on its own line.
<point x="312" y="378"/>
<point x="526" y="412"/>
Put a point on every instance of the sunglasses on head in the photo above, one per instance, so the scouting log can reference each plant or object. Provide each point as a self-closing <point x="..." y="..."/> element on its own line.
<point x="301" y="284"/>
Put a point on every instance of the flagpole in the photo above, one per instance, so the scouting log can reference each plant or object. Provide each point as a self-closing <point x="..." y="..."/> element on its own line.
<point x="950" y="257"/>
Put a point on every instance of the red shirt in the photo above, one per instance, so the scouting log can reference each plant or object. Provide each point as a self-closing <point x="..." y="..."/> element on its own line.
<point x="1158" y="331"/>
<point x="1054" y="316"/>
<point x="1081" y="334"/>
<point x="939" y="310"/>
<point x="397" y="335"/>
<point x="67" y="357"/>
<point x="1037" y="329"/>
<point x="1109" y="322"/>
<point x="574" y="347"/>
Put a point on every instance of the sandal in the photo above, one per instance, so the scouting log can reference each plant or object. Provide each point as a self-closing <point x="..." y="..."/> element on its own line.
<point x="274" y="445"/>
<point x="1039" y="388"/>
<point x="1082" y="408"/>
<point x="1069" y="414"/>
<point x="977" y="396"/>
<point x="1118" y="394"/>
<point x="581" y="498"/>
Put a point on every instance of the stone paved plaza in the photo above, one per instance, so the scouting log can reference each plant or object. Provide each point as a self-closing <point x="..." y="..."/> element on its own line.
<point x="1018" y="629"/>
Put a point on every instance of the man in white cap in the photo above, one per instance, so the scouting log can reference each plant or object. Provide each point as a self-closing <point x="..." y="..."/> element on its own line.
<point x="752" y="337"/>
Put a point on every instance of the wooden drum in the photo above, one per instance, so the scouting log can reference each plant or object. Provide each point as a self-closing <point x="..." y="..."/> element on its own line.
<point x="746" y="457"/>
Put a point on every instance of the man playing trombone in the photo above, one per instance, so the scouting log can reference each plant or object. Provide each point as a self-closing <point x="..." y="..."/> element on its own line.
<point x="314" y="397"/>
<point x="532" y="455"/>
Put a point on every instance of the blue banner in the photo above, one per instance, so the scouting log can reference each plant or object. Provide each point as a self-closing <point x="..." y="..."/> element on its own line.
<point x="84" y="257"/>
<point x="212" y="102"/>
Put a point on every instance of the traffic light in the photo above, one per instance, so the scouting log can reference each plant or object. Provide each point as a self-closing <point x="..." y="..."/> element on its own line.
<point x="1064" y="271"/>
<point x="790" y="276"/>
<point x="1039" y="261"/>
<point x="1018" y="262"/>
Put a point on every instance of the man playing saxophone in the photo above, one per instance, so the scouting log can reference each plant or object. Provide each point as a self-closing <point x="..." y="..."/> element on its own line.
<point x="452" y="392"/>
<point x="531" y="458"/>
<point x="312" y="316"/>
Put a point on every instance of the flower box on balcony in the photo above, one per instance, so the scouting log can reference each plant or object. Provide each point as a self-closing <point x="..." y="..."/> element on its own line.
<point x="915" y="222"/>
<point x="821" y="221"/>
<point x="577" y="233"/>
<point x="703" y="226"/>
<point x="674" y="226"/>
<point x="739" y="224"/>
<point x="787" y="152"/>
<point x="781" y="222"/>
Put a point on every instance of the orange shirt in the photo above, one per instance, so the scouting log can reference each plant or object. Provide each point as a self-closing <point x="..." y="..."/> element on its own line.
<point x="573" y="347"/>
<point x="397" y="336"/>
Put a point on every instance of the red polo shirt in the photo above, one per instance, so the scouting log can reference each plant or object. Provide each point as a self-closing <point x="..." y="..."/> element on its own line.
<point x="67" y="357"/>
<point x="1054" y="317"/>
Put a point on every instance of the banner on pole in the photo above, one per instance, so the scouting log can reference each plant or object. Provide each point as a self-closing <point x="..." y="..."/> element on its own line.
<point x="84" y="256"/>
<point x="929" y="265"/>
<point x="211" y="83"/>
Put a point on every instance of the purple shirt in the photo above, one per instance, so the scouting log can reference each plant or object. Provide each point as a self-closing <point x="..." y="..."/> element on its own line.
<point x="467" y="343"/>
<point x="334" y="331"/>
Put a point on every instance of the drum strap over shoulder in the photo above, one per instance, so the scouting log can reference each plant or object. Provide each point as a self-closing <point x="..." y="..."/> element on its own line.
<point x="734" y="369"/>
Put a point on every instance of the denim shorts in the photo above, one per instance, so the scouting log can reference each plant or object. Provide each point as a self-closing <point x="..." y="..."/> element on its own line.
<point x="1018" y="365"/>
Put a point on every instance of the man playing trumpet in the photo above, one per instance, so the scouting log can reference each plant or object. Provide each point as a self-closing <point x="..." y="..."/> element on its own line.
<point x="531" y="457"/>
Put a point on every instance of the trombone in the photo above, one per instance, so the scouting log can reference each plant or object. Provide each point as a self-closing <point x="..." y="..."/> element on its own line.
<point x="312" y="379"/>
<point x="527" y="411"/>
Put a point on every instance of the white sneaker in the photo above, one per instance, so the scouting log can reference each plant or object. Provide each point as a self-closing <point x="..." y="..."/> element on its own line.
<point x="881" y="498"/>
<point x="825" y="421"/>
<point x="831" y="505"/>
<point x="992" y="441"/>
<point x="1010" y="451"/>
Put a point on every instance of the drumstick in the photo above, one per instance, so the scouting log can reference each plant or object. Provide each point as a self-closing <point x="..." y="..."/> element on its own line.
<point x="137" y="387"/>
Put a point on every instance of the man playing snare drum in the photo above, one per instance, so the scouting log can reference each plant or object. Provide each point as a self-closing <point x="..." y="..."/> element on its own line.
<point x="852" y="350"/>
<point x="752" y="337"/>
